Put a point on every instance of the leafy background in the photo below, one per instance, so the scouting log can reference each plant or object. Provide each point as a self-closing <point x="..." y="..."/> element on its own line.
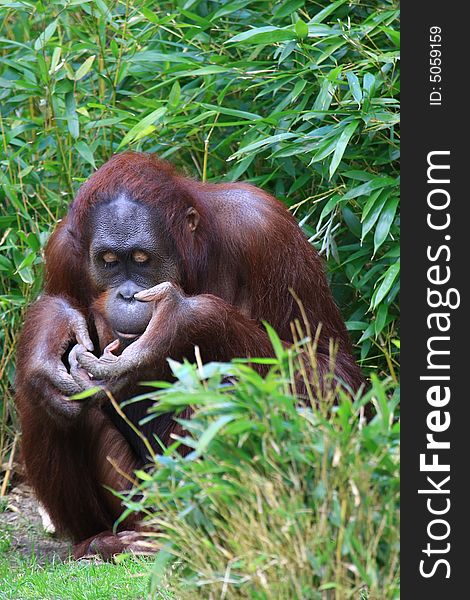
<point x="299" y="97"/>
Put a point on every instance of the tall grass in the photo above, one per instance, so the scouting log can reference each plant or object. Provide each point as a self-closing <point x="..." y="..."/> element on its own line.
<point x="277" y="500"/>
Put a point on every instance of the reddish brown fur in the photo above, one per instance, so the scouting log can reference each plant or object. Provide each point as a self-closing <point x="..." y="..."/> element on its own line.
<point x="244" y="267"/>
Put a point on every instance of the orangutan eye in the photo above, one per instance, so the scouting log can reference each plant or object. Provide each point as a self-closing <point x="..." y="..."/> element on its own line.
<point x="110" y="257"/>
<point x="139" y="256"/>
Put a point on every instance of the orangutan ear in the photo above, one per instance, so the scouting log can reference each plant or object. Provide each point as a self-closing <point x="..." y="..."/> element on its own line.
<point x="192" y="217"/>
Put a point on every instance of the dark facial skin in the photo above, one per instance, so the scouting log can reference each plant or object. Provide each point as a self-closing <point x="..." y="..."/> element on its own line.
<point x="129" y="252"/>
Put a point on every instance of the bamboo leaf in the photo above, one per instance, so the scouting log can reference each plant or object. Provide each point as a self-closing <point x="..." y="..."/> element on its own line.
<point x="327" y="11"/>
<point x="343" y="141"/>
<point x="387" y="282"/>
<point x="45" y="36"/>
<point x="84" y="68"/>
<point x="354" y="86"/>
<point x="150" y="119"/>
<point x="374" y="213"/>
<point x="301" y="29"/>
<point x="71" y="115"/>
<point x="288" y="8"/>
<point x="85" y="152"/>
<point x="263" y="35"/>
<point x="175" y="93"/>
<point x="385" y="222"/>
<point x="211" y="432"/>
<point x="370" y="186"/>
<point x="275" y="341"/>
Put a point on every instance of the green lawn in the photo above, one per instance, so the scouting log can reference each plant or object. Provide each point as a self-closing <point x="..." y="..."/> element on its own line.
<point x="34" y="565"/>
<point x="22" y="578"/>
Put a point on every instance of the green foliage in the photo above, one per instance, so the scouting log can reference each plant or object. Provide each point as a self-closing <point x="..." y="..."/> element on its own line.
<point x="288" y="502"/>
<point x="300" y="98"/>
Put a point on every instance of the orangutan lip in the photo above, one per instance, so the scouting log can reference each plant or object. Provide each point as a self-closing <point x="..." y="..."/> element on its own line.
<point x="128" y="336"/>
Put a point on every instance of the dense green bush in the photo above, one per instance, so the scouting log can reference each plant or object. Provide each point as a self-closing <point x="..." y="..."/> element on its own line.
<point x="288" y="502"/>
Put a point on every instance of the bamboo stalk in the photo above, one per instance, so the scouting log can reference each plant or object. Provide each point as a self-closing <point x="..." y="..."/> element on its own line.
<point x="9" y="469"/>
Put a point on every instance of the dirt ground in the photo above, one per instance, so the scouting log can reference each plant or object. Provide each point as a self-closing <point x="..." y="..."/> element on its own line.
<point x="21" y="519"/>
